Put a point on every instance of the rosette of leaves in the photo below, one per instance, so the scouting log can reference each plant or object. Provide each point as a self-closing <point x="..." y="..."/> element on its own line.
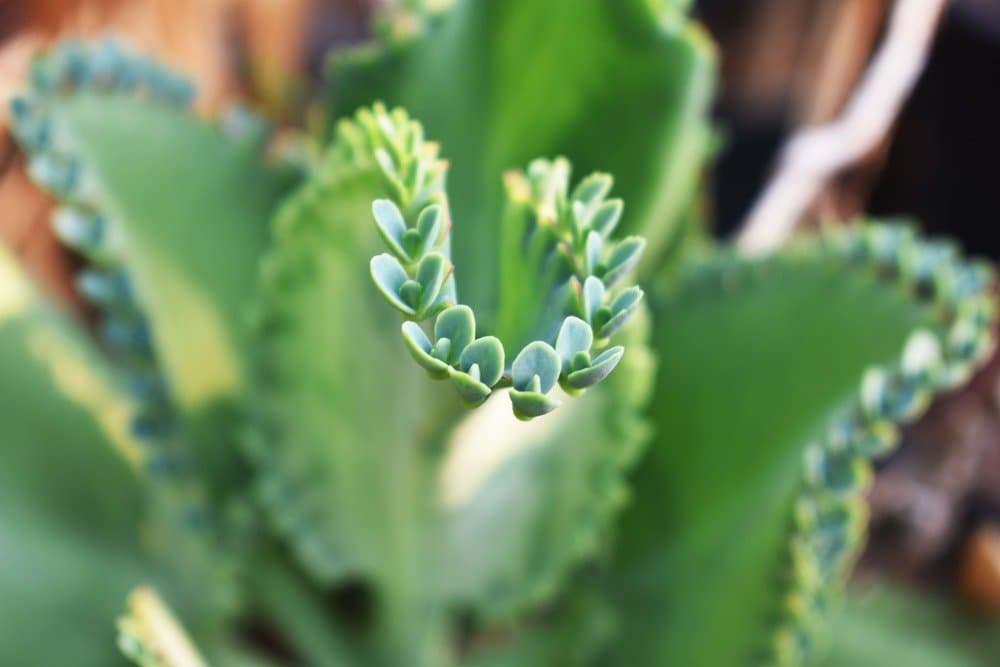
<point x="253" y="382"/>
<point x="356" y="497"/>
<point x="352" y="511"/>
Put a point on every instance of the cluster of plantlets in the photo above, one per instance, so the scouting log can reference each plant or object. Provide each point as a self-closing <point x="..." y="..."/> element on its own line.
<point x="254" y="445"/>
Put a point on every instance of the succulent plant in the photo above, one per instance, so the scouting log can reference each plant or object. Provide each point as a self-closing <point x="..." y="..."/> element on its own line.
<point x="255" y="434"/>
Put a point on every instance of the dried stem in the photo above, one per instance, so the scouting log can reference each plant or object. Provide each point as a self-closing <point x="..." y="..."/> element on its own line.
<point x="814" y="154"/>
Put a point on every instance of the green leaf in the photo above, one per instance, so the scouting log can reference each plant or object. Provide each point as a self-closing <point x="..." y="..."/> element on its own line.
<point x="458" y="325"/>
<point x="527" y="502"/>
<point x="574" y="336"/>
<point x="623" y="259"/>
<point x="170" y="192"/>
<point x="432" y="271"/>
<point x="487" y="354"/>
<point x="552" y="261"/>
<point x="534" y="372"/>
<point x="618" y="85"/>
<point x="536" y="368"/>
<point x="341" y="421"/>
<point x="422" y="350"/>
<point x="391" y="225"/>
<point x="598" y="369"/>
<point x="430" y="225"/>
<point x="731" y="536"/>
<point x="893" y="627"/>
<point x="390" y="277"/>
<point x="70" y="500"/>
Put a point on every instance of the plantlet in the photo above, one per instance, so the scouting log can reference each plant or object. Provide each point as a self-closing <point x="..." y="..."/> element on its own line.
<point x="257" y="461"/>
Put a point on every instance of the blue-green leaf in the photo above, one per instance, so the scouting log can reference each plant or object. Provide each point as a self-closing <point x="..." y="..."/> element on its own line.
<point x="536" y="360"/>
<point x="575" y="336"/>
<point x="430" y="224"/>
<point x="458" y="325"/>
<point x="622" y="307"/>
<point x="606" y="217"/>
<point x="432" y="271"/>
<point x="623" y="260"/>
<point x="599" y="369"/>
<point x="390" y="277"/>
<point x="486" y="353"/>
<point x="422" y="350"/>
<point x="462" y="71"/>
<point x="392" y="227"/>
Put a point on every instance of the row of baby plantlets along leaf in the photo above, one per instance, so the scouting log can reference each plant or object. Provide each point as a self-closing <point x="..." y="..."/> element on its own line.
<point x="574" y="231"/>
<point x="82" y="223"/>
<point x="830" y="513"/>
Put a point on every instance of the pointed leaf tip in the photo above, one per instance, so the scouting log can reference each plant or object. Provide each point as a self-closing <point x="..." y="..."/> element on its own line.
<point x="599" y="369"/>
<point x="606" y="217"/>
<point x="429" y="226"/>
<point x="431" y="273"/>
<point x="623" y="259"/>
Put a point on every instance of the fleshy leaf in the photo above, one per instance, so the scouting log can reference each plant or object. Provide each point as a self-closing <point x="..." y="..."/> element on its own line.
<point x="337" y="437"/>
<point x="458" y="325"/>
<point x="430" y="224"/>
<point x="71" y="503"/>
<point x="486" y="353"/>
<point x="764" y="433"/>
<point x="196" y="192"/>
<point x="526" y="502"/>
<point x="592" y="189"/>
<point x="390" y="278"/>
<point x="618" y="312"/>
<point x="546" y="237"/>
<point x="593" y="297"/>
<point x="422" y="351"/>
<point x="647" y="123"/>
<point x="623" y="259"/>
<point x="598" y="369"/>
<point x="472" y="390"/>
<point x="536" y="360"/>
<point x="606" y="217"/>
<point x="531" y="402"/>
<point x="574" y="336"/>
<point x="390" y="223"/>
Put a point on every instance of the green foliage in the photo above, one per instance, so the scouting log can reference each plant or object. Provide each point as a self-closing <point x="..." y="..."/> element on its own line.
<point x="93" y="115"/>
<point x="890" y="627"/>
<point x="297" y="475"/>
<point x="329" y="464"/>
<point x="779" y="380"/>
<point x="618" y="85"/>
<point x="514" y="536"/>
<point x="559" y="237"/>
<point x="70" y="498"/>
<point x="369" y="511"/>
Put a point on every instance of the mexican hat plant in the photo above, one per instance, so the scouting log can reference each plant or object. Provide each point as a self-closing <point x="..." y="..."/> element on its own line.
<point x="255" y="456"/>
